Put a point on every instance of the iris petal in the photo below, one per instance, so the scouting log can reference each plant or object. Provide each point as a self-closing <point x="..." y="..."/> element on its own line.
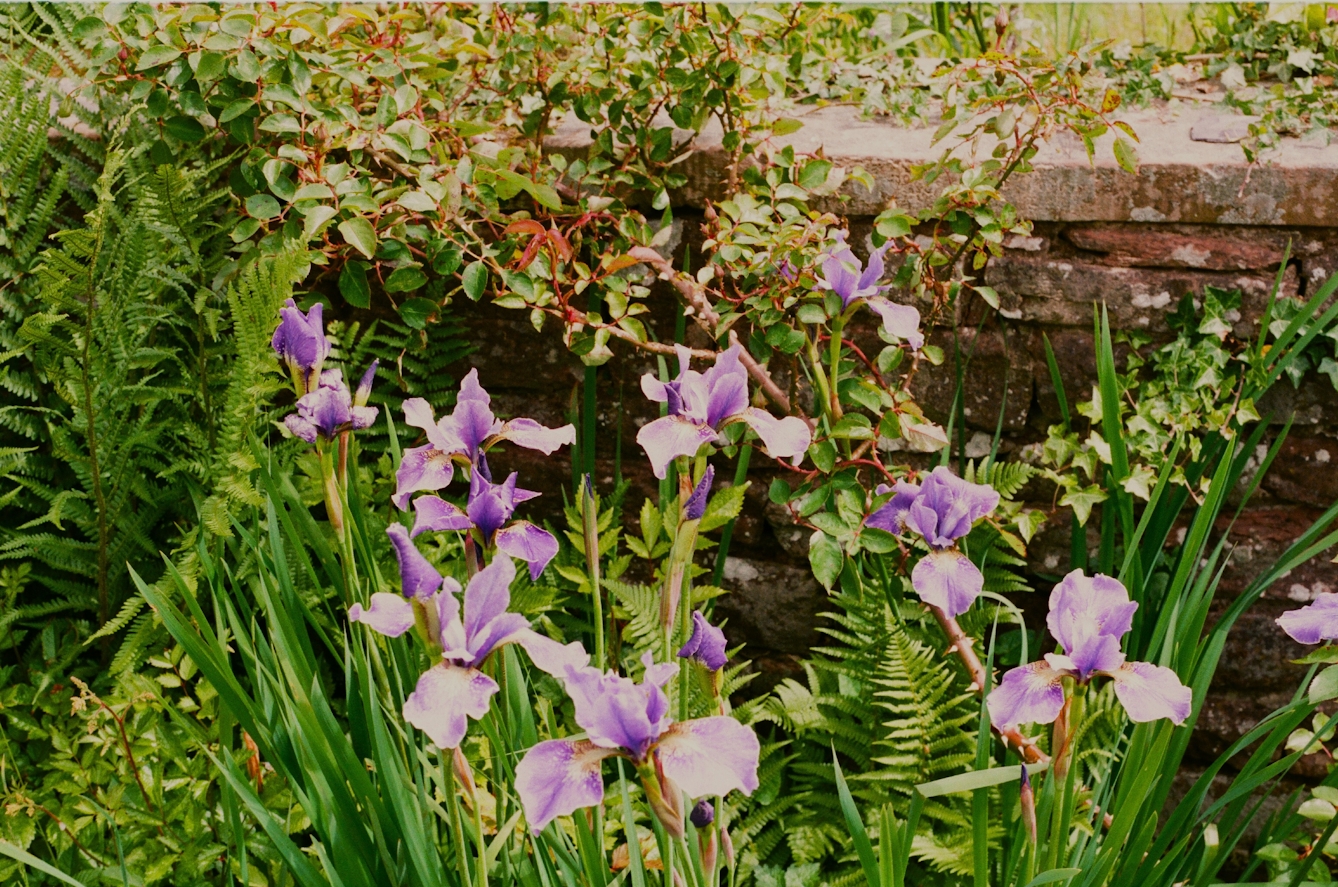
<point x="947" y="580"/>
<point x="1028" y="694"/>
<point x="1150" y="692"/>
<point x="1314" y="622"/>
<point x="389" y="614"/>
<point x="669" y="437"/>
<point x="710" y="756"/>
<point x="445" y="698"/>
<point x="558" y="777"/>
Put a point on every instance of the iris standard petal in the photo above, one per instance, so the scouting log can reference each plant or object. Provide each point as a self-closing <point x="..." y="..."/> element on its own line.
<point x="1314" y="622"/>
<point x="612" y="709"/>
<point x="727" y="385"/>
<point x="434" y="514"/>
<point x="1028" y="694"/>
<point x="948" y="580"/>
<point x="421" y="468"/>
<point x="473" y="423"/>
<point x="947" y="507"/>
<point x="445" y="698"/>
<point x="389" y="614"/>
<point x="487" y="596"/>
<point x="1150" y="692"/>
<point x="472" y="390"/>
<point x="490" y="505"/>
<point x="418" y="578"/>
<point x="1093" y="653"/>
<point x="784" y="438"/>
<point x="669" y="437"/>
<point x="839" y="277"/>
<point x="892" y="515"/>
<point x="710" y="756"/>
<point x="1083" y="605"/>
<point x="534" y="545"/>
<point x="706" y="644"/>
<point x="558" y="777"/>
<point x="531" y="435"/>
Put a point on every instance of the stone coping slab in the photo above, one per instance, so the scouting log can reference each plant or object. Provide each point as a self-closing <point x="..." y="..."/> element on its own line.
<point x="1180" y="179"/>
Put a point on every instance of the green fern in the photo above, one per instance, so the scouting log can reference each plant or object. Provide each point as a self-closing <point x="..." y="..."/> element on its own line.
<point x="894" y="709"/>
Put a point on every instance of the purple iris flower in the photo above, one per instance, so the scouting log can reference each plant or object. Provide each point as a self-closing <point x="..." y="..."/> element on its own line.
<point x="300" y="343"/>
<point x="1314" y="622"/>
<point x="487" y="512"/>
<point x="706" y="644"/>
<point x="464" y="435"/>
<point x="329" y="409"/>
<point x="700" y="404"/>
<point x="703" y="756"/>
<point x="454" y="690"/>
<point x="942" y="512"/>
<point x="1088" y="616"/>
<point x="892" y="515"/>
<point x="843" y="274"/>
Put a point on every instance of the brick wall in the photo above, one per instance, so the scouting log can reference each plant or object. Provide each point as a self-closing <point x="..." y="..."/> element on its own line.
<point x="1195" y="215"/>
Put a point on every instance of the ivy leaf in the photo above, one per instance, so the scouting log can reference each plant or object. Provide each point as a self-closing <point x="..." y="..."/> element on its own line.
<point x="826" y="558"/>
<point x="359" y="234"/>
<point x="353" y="284"/>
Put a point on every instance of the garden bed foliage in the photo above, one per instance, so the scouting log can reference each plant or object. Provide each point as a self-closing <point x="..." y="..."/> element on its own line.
<point x="271" y="618"/>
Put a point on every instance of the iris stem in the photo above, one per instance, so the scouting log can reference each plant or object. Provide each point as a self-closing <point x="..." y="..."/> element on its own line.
<point x="820" y="376"/>
<point x="1063" y="815"/>
<point x="834" y="356"/>
<point x="453" y="807"/>
<point x="590" y="522"/>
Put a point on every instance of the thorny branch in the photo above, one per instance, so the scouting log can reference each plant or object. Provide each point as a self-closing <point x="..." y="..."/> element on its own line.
<point x="706" y="317"/>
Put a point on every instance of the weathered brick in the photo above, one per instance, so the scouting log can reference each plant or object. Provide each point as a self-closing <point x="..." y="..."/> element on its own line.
<point x="1205" y="247"/>
<point x="1050" y="291"/>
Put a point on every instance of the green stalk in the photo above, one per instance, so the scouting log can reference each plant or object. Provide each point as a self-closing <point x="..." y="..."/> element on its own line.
<point x="820" y="376"/>
<point x="453" y="808"/>
<point x="1062" y="822"/>
<point x="482" y="844"/>
<point x="727" y="534"/>
<point x="834" y="357"/>
<point x="590" y="524"/>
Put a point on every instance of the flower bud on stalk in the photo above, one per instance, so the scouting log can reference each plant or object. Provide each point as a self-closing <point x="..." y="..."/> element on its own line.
<point x="663" y="798"/>
<point x="685" y="541"/>
<point x="1028" y="799"/>
<point x="727" y="845"/>
<point x="1060" y="740"/>
<point x="464" y="774"/>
